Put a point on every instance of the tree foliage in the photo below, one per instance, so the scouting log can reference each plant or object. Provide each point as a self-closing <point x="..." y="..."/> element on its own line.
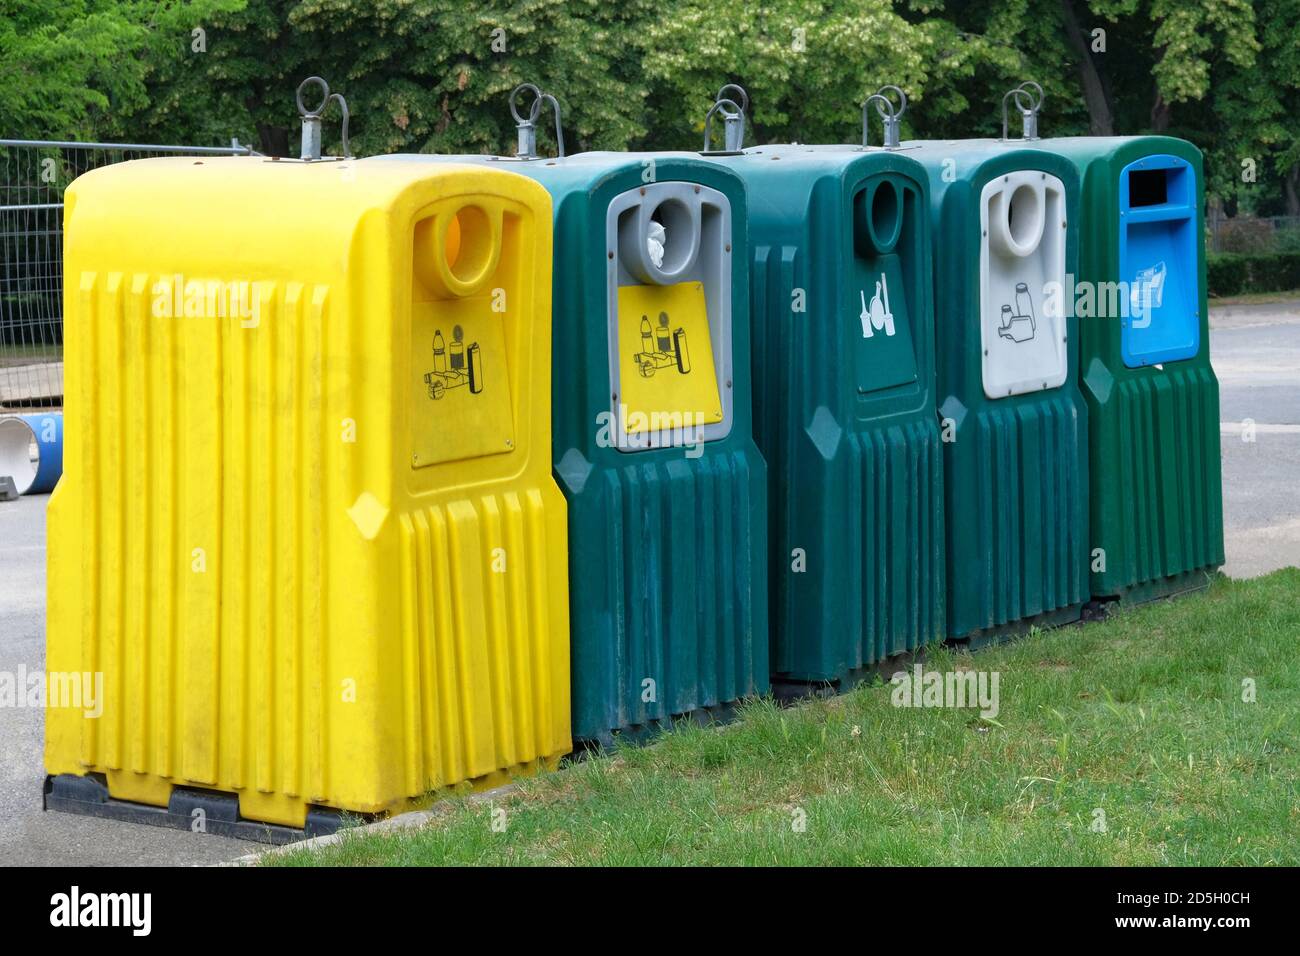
<point x="428" y="75"/>
<point x="74" y="68"/>
<point x="434" y="75"/>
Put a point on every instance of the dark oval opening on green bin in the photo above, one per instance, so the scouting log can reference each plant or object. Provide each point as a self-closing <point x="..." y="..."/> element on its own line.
<point x="886" y="216"/>
<point x="878" y="219"/>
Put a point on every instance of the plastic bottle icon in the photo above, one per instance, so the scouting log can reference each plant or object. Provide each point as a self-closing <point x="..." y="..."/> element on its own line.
<point x="647" y="335"/>
<point x="439" y="353"/>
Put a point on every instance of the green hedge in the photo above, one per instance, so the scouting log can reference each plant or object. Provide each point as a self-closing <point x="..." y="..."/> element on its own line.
<point x="1235" y="273"/>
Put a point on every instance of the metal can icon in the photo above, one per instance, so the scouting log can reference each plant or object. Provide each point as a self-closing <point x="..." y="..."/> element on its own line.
<point x="683" y="356"/>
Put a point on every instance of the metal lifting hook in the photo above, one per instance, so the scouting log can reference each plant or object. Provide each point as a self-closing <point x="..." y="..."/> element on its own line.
<point x="889" y="117"/>
<point x="311" y="120"/>
<point x="733" y="119"/>
<point x="527" y="126"/>
<point x="1029" y="102"/>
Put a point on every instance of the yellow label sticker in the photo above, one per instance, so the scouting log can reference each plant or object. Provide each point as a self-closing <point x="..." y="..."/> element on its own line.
<point x="460" y="392"/>
<point x="665" y="358"/>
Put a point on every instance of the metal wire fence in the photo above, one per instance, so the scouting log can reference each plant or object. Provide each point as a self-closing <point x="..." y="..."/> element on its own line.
<point x="1254" y="234"/>
<point x="33" y="176"/>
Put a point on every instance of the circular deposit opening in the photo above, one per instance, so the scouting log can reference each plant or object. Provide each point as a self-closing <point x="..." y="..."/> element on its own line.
<point x="679" y="235"/>
<point x="469" y="245"/>
<point x="886" y="219"/>
<point x="1025" y="218"/>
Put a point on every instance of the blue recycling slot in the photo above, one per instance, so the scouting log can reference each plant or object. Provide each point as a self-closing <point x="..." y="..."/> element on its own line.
<point x="1157" y="258"/>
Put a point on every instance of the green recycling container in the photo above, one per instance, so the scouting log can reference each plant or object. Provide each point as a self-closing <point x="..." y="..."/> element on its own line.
<point x="844" y="405"/>
<point x="1013" y="421"/>
<point x="653" y="438"/>
<point x="1153" y="400"/>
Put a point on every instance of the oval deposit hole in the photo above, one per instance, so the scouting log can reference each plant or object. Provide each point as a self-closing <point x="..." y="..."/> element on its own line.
<point x="679" y="234"/>
<point x="886" y="216"/>
<point x="1025" y="217"/>
<point x="468" y="245"/>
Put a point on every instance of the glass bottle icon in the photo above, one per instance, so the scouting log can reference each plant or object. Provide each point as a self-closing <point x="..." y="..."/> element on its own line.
<point x="457" y="350"/>
<point x="665" y="336"/>
<point x="1024" y="303"/>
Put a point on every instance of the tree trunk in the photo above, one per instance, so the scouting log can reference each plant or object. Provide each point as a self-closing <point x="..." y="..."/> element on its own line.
<point x="1159" y="114"/>
<point x="1291" y="186"/>
<point x="1101" y="121"/>
<point x="274" y="140"/>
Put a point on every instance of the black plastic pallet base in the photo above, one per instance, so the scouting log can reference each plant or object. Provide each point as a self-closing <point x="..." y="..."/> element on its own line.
<point x="1164" y="588"/>
<point x="1059" y="617"/>
<point x="88" y="796"/>
<point x="637" y="735"/>
<point x="787" y="689"/>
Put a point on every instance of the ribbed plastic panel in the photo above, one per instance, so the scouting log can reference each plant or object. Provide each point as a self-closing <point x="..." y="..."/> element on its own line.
<point x="670" y="589"/>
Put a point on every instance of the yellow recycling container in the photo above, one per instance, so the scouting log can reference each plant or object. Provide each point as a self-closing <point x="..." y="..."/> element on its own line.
<point x="307" y="537"/>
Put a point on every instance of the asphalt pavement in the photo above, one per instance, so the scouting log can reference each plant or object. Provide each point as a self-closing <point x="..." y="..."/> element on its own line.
<point x="1255" y="350"/>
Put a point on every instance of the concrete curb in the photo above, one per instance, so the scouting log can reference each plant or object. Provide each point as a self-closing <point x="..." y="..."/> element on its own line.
<point x="412" y="820"/>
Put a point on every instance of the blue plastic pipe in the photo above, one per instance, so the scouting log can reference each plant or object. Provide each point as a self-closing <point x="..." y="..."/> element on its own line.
<point x="18" y="434"/>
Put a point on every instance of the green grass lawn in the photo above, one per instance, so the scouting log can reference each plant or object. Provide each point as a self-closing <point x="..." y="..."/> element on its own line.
<point x="1255" y="298"/>
<point x="1140" y="716"/>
